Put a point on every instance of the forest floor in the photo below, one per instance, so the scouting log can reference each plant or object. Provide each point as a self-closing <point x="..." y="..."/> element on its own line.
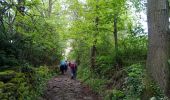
<point x="63" y="87"/>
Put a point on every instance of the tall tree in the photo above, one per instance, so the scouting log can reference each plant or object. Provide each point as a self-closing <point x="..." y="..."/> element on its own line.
<point x="159" y="43"/>
<point x="94" y="49"/>
<point x="115" y="37"/>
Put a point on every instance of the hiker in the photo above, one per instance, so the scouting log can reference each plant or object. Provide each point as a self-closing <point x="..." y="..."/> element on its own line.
<point x="66" y="66"/>
<point x="73" y="68"/>
<point x="62" y="66"/>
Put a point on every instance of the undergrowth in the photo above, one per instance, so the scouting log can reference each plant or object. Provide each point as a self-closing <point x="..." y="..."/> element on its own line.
<point x="137" y="85"/>
<point x="97" y="84"/>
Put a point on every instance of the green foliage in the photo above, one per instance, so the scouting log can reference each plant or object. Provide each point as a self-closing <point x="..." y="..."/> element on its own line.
<point x="134" y="81"/>
<point x="27" y="36"/>
<point x="17" y="87"/>
<point x="25" y="85"/>
<point x="95" y="83"/>
<point x="139" y="5"/>
<point x="114" y="95"/>
<point x="136" y="86"/>
<point x="42" y="75"/>
<point x="6" y="76"/>
<point x="104" y="66"/>
<point x="133" y="49"/>
<point x="151" y="89"/>
<point x="85" y="32"/>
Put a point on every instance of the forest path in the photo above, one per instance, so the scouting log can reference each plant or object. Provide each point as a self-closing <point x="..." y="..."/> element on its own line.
<point x="63" y="87"/>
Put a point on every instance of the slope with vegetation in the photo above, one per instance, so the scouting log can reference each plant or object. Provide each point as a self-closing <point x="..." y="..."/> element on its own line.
<point x="29" y="42"/>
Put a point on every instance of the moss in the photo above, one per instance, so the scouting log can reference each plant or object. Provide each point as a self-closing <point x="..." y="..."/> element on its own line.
<point x="8" y="91"/>
<point x="1" y="89"/>
<point x="1" y="84"/>
<point x="16" y="87"/>
<point x="25" y="85"/>
<point x="19" y="78"/>
<point x="9" y="87"/>
<point x="7" y="75"/>
<point x="7" y="72"/>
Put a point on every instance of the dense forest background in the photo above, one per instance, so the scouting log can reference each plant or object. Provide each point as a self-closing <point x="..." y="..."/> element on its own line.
<point x="108" y="39"/>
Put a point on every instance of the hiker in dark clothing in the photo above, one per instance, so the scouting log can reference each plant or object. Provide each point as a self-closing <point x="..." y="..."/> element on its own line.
<point x="73" y="67"/>
<point x="66" y="66"/>
<point x="62" y="66"/>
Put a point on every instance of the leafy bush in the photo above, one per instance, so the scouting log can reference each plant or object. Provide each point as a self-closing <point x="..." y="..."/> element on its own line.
<point x="42" y="75"/>
<point x="114" y="95"/>
<point x="85" y="75"/>
<point x="134" y="81"/>
<point x="133" y="49"/>
<point x="96" y="84"/>
<point x="104" y="66"/>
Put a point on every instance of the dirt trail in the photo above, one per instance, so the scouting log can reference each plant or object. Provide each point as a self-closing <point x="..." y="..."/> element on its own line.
<point x="64" y="88"/>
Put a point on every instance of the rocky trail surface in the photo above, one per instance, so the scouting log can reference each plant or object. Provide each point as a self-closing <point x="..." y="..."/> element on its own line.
<point x="64" y="88"/>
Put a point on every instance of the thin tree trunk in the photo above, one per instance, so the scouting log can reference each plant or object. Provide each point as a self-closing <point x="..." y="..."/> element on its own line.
<point x="115" y="37"/>
<point x="11" y="20"/>
<point x="93" y="56"/>
<point x="94" y="49"/>
<point x="78" y="58"/>
<point x="2" y="27"/>
<point x="49" y="8"/>
<point x="159" y="43"/>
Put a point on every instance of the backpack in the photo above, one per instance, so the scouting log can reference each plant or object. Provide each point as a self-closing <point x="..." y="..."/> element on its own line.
<point x="73" y="66"/>
<point x="62" y="63"/>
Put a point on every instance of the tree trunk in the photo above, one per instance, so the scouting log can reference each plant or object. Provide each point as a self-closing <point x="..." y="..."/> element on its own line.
<point x="2" y="27"/>
<point x="94" y="49"/>
<point x="78" y="59"/>
<point x="159" y="43"/>
<point x="115" y="37"/>
<point x="49" y="7"/>
<point x="93" y="56"/>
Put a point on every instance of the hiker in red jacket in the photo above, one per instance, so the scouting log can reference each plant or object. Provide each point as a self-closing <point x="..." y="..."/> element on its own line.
<point x="73" y="67"/>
